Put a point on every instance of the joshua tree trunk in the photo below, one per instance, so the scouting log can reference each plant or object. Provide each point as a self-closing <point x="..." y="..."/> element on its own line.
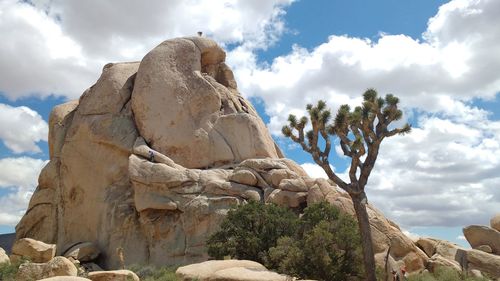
<point x="366" y="235"/>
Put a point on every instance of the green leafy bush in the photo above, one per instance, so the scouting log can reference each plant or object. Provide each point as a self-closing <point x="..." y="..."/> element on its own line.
<point x="8" y="271"/>
<point x="326" y="246"/>
<point x="443" y="274"/>
<point x="322" y="244"/>
<point x="250" y="230"/>
<point x="152" y="273"/>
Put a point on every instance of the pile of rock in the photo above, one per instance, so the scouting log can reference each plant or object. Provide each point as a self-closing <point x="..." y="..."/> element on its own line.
<point x="482" y="260"/>
<point x="38" y="261"/>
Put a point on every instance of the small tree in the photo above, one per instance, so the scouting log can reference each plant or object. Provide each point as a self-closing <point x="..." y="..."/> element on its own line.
<point x="361" y="131"/>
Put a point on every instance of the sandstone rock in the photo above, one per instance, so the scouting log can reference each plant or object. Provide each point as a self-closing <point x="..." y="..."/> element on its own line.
<point x="247" y="274"/>
<point x="113" y="275"/>
<point x="486" y="263"/>
<point x="244" y="177"/>
<point x="65" y="278"/>
<point x="205" y="270"/>
<point x="3" y="257"/>
<point x="208" y="123"/>
<point x="90" y="266"/>
<point x="495" y="222"/>
<point x="484" y="248"/>
<point x="287" y="198"/>
<point x="153" y="156"/>
<point x="35" y="251"/>
<point x="478" y="235"/>
<point x="83" y="252"/>
<point x="437" y="261"/>
<point x="58" y="266"/>
<point x="428" y="245"/>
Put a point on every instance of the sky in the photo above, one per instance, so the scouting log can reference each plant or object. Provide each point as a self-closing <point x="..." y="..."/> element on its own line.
<point x="440" y="57"/>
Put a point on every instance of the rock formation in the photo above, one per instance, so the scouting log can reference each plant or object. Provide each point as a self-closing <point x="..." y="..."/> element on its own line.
<point x="149" y="160"/>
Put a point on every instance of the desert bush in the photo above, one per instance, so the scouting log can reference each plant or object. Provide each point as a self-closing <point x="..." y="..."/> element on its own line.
<point x="152" y="273"/>
<point x="443" y="274"/>
<point x="322" y="244"/>
<point x="326" y="246"/>
<point x="8" y="271"/>
<point x="249" y="231"/>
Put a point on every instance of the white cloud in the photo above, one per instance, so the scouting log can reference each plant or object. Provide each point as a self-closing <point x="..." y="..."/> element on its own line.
<point x="446" y="172"/>
<point x="21" y="128"/>
<point x="19" y="177"/>
<point x="461" y="237"/>
<point x="446" y="66"/>
<point x="314" y="171"/>
<point x="65" y="43"/>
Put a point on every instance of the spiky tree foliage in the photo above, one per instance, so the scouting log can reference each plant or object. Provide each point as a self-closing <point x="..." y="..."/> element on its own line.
<point x="360" y="131"/>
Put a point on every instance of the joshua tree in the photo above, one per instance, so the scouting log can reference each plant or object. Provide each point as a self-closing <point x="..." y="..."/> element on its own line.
<point x="360" y="131"/>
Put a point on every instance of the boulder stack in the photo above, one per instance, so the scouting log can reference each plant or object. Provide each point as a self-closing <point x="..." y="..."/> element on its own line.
<point x="149" y="160"/>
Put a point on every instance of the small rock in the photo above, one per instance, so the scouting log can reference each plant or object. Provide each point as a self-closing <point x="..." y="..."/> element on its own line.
<point x="58" y="266"/>
<point x="244" y="177"/>
<point x="84" y="252"/>
<point x="113" y="275"/>
<point x="287" y="198"/>
<point x="427" y="245"/>
<point x="3" y="257"/>
<point x="35" y="251"/>
<point x="484" y="248"/>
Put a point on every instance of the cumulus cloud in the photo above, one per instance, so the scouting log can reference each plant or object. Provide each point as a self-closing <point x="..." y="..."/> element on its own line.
<point x="447" y="65"/>
<point x="65" y="43"/>
<point x="18" y="179"/>
<point x="21" y="128"/>
<point x="446" y="172"/>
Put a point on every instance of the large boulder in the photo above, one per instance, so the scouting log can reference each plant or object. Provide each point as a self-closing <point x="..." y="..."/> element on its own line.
<point x="205" y="270"/>
<point x="58" y="266"/>
<point x="207" y="123"/>
<point x="484" y="262"/>
<point x="479" y="235"/>
<point x="147" y="163"/>
<point x="113" y="275"/>
<point x="33" y="250"/>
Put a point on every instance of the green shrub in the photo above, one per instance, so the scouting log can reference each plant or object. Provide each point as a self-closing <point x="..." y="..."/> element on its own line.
<point x="323" y="244"/>
<point x="443" y="274"/>
<point x="152" y="273"/>
<point x="8" y="271"/>
<point x="250" y="230"/>
<point x="326" y="246"/>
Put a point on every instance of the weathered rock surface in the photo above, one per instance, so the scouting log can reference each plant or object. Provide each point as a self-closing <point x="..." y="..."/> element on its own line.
<point x="58" y="266"/>
<point x="65" y="278"/>
<point x="486" y="263"/>
<point x="150" y="159"/>
<point x="247" y="274"/>
<point x="83" y="252"/>
<point x="4" y="258"/>
<point x="478" y="235"/>
<point x="495" y="222"/>
<point x="207" y="123"/>
<point x="204" y="271"/>
<point x="33" y="250"/>
<point x="113" y="275"/>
